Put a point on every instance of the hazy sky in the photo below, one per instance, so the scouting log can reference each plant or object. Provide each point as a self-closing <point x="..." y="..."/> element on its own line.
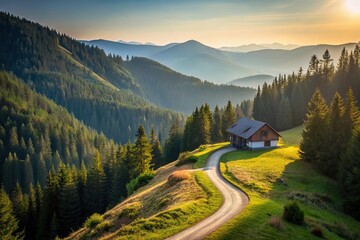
<point x="215" y="23"/>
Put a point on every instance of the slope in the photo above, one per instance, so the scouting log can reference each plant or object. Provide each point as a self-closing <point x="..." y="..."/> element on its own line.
<point x="96" y="88"/>
<point x="275" y="177"/>
<point x="174" y="200"/>
<point x="252" y="81"/>
<point x="172" y="90"/>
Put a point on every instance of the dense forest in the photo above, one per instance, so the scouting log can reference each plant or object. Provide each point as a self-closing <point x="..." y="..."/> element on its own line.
<point x="55" y="170"/>
<point x="282" y="104"/>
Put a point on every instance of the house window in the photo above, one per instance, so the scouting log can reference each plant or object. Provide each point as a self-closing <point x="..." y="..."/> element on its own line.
<point x="264" y="133"/>
<point x="267" y="144"/>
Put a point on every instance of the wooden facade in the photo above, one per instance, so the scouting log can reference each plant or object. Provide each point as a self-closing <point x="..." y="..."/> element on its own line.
<point x="251" y="134"/>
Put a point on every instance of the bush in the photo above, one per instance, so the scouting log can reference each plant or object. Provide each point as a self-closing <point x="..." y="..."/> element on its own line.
<point x="275" y="222"/>
<point x="131" y="211"/>
<point x="185" y="158"/>
<point x="138" y="182"/>
<point x="317" y="231"/>
<point x="178" y="176"/>
<point x="93" y="221"/>
<point x="293" y="213"/>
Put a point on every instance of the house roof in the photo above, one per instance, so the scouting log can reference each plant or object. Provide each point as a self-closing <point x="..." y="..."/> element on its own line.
<point x="246" y="127"/>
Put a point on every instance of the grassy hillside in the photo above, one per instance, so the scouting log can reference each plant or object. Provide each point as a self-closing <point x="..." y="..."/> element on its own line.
<point x="162" y="208"/>
<point x="274" y="177"/>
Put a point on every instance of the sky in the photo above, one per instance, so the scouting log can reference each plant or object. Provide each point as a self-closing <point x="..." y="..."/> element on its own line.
<point x="215" y="23"/>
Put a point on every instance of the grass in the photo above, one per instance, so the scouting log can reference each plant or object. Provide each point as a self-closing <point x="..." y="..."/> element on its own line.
<point x="275" y="177"/>
<point x="205" y="151"/>
<point x="160" y="209"/>
<point x="176" y="218"/>
<point x="81" y="69"/>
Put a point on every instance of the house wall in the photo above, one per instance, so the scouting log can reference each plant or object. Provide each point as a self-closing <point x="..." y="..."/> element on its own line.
<point x="256" y="144"/>
<point x="274" y="143"/>
<point x="270" y="136"/>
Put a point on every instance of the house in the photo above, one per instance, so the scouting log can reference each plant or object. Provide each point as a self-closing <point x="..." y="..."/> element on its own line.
<point x="247" y="133"/>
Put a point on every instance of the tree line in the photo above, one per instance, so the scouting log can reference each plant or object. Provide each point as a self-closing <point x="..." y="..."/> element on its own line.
<point x="204" y="126"/>
<point x="331" y="142"/>
<point x="282" y="104"/>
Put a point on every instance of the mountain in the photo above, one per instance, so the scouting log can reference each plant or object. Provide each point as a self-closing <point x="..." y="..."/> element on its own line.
<point x="218" y="66"/>
<point x="173" y="90"/>
<point x="125" y="49"/>
<point x="107" y="93"/>
<point x="252" y="81"/>
<point x="255" y="47"/>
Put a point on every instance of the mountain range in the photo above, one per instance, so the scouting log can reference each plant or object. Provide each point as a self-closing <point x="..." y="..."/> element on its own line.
<point x="218" y="66"/>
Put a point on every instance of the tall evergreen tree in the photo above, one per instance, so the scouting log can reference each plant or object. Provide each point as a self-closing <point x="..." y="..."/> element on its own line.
<point x="68" y="207"/>
<point x="228" y="118"/>
<point x="156" y="149"/>
<point x="350" y="177"/>
<point x="8" y="222"/>
<point x="94" y="191"/>
<point x="20" y="205"/>
<point x="141" y="153"/>
<point x="173" y="144"/>
<point x="335" y="136"/>
<point x="216" y="133"/>
<point x="313" y="134"/>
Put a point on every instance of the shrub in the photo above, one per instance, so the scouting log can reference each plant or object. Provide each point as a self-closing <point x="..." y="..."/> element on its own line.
<point x="317" y="231"/>
<point x="131" y="211"/>
<point x="178" y="176"/>
<point x="293" y="213"/>
<point x="93" y="220"/>
<point x="185" y="158"/>
<point x="104" y="226"/>
<point x="138" y="182"/>
<point x="275" y="222"/>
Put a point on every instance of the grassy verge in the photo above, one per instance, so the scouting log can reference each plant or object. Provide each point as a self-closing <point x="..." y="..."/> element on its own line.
<point x="205" y="151"/>
<point x="177" y="218"/>
<point x="274" y="177"/>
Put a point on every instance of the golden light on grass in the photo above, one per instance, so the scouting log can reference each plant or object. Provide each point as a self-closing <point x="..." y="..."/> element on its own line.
<point x="353" y="6"/>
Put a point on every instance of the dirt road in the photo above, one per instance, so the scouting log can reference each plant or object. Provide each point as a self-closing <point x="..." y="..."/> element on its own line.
<point x="234" y="201"/>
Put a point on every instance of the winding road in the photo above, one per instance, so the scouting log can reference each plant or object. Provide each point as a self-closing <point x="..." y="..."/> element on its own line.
<point x="234" y="201"/>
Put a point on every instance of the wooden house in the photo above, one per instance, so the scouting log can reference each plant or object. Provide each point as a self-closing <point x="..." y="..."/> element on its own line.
<point x="251" y="134"/>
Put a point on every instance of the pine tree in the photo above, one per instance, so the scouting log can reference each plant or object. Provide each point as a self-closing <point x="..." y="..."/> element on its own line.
<point x="216" y="135"/>
<point x="47" y="204"/>
<point x="172" y="144"/>
<point x="142" y="153"/>
<point x="8" y="222"/>
<point x="350" y="177"/>
<point x="228" y="118"/>
<point x="121" y="175"/>
<point x="68" y="207"/>
<point x="313" y="133"/>
<point x="156" y="150"/>
<point x="94" y="191"/>
<point x="284" y="115"/>
<point x="204" y="130"/>
<point x="335" y="137"/>
<point x="20" y="205"/>
<point x="32" y="216"/>
<point x="352" y="115"/>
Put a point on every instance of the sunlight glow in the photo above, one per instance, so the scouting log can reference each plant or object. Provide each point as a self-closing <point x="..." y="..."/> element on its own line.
<point x="353" y="5"/>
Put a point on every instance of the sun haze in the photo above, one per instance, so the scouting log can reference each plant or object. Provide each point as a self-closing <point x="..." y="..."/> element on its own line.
<point x="216" y="23"/>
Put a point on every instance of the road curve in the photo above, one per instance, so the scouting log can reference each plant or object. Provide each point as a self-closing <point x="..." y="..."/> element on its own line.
<point x="234" y="201"/>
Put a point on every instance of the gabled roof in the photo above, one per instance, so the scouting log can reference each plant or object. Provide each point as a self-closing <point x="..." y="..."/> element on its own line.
<point x="246" y="127"/>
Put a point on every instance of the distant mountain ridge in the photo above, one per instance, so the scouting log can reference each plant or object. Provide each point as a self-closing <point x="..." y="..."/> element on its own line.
<point x="256" y="47"/>
<point x="252" y="81"/>
<point x="216" y="65"/>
